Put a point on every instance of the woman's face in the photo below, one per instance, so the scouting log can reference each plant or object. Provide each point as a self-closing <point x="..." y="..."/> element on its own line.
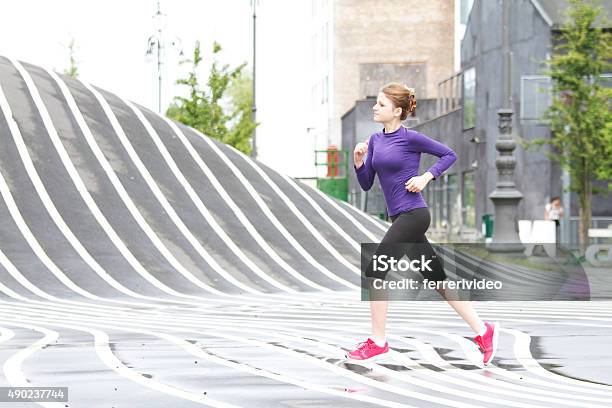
<point x="383" y="110"/>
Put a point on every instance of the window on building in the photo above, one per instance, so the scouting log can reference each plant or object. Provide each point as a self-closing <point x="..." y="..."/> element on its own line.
<point x="428" y="195"/>
<point x="536" y="97"/>
<point x="605" y="80"/>
<point x="453" y="203"/>
<point x="435" y="204"/>
<point x="468" y="200"/>
<point x="469" y="98"/>
<point x="441" y="200"/>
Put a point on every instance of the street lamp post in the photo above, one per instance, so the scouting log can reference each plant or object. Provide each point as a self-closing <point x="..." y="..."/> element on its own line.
<point x="156" y="44"/>
<point x="506" y="197"/>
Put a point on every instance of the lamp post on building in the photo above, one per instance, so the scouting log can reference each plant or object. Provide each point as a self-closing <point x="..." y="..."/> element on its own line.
<point x="505" y="197"/>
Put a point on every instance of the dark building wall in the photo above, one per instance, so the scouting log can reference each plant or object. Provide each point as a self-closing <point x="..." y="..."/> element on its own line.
<point x="538" y="177"/>
<point x="373" y="75"/>
<point x="446" y="130"/>
<point x="530" y="37"/>
<point x="425" y="110"/>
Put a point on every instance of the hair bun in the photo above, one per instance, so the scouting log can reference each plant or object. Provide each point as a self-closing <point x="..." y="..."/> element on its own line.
<point x="412" y="103"/>
<point x="402" y="96"/>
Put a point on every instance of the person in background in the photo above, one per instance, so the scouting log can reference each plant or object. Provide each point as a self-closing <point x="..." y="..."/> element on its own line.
<point x="553" y="211"/>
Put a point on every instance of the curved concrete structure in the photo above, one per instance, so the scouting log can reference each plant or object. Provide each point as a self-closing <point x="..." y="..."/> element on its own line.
<point x="120" y="199"/>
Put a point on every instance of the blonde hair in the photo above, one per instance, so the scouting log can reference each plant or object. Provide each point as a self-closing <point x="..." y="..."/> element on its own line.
<point x="401" y="96"/>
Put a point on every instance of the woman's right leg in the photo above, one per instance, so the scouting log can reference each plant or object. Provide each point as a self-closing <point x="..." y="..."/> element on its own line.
<point x="408" y="227"/>
<point x="378" y="311"/>
<point x="376" y="345"/>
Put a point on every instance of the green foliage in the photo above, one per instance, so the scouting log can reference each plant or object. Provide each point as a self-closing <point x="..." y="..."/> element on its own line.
<point x="204" y="108"/>
<point x="241" y="96"/>
<point x="72" y="70"/>
<point x="580" y="117"/>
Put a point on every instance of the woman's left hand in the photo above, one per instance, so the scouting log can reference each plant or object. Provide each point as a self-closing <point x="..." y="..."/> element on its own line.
<point x="418" y="183"/>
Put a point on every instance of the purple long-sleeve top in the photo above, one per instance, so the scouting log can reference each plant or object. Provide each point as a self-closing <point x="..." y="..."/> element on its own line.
<point x="395" y="157"/>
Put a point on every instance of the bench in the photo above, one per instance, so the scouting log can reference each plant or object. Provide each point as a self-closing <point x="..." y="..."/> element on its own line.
<point x="592" y="251"/>
<point x="533" y="233"/>
<point x="600" y="232"/>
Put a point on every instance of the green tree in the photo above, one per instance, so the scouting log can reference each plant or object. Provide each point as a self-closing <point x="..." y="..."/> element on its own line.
<point x="72" y="69"/>
<point x="579" y="116"/>
<point x="204" y="108"/>
<point x="240" y="93"/>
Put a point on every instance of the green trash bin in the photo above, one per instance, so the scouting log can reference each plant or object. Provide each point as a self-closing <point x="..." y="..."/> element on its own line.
<point x="487" y="225"/>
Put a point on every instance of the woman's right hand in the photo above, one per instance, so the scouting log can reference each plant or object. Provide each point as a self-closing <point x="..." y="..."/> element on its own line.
<point x="361" y="149"/>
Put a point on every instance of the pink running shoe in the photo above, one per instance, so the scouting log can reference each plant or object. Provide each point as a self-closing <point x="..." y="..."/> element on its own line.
<point x="367" y="350"/>
<point x="488" y="342"/>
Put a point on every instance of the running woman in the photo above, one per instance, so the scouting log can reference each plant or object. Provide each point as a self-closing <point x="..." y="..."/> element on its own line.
<point x="394" y="154"/>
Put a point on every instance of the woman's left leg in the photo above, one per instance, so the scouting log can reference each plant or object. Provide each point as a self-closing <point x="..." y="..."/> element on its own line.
<point x="487" y="334"/>
<point x="465" y="309"/>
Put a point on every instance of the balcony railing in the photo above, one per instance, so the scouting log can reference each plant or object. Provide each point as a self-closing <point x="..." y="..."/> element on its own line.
<point x="449" y="94"/>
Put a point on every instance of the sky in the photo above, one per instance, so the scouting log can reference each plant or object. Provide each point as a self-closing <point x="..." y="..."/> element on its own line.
<point x="111" y="42"/>
<point x="111" y="38"/>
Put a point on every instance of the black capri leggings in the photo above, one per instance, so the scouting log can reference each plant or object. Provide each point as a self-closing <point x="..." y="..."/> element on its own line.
<point x="409" y="227"/>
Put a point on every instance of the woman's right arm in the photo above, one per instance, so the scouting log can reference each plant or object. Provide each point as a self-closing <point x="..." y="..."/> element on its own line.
<point x="365" y="172"/>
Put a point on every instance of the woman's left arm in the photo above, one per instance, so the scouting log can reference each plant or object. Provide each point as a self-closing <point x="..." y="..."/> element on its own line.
<point x="425" y="144"/>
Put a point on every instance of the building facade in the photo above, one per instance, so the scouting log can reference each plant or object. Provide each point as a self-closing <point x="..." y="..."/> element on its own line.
<point x="358" y="45"/>
<point x="466" y="120"/>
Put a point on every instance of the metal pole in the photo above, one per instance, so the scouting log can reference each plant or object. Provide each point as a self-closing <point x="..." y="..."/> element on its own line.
<point x="159" y="76"/>
<point x="254" y="108"/>
<point x="156" y="43"/>
<point x="159" y="73"/>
